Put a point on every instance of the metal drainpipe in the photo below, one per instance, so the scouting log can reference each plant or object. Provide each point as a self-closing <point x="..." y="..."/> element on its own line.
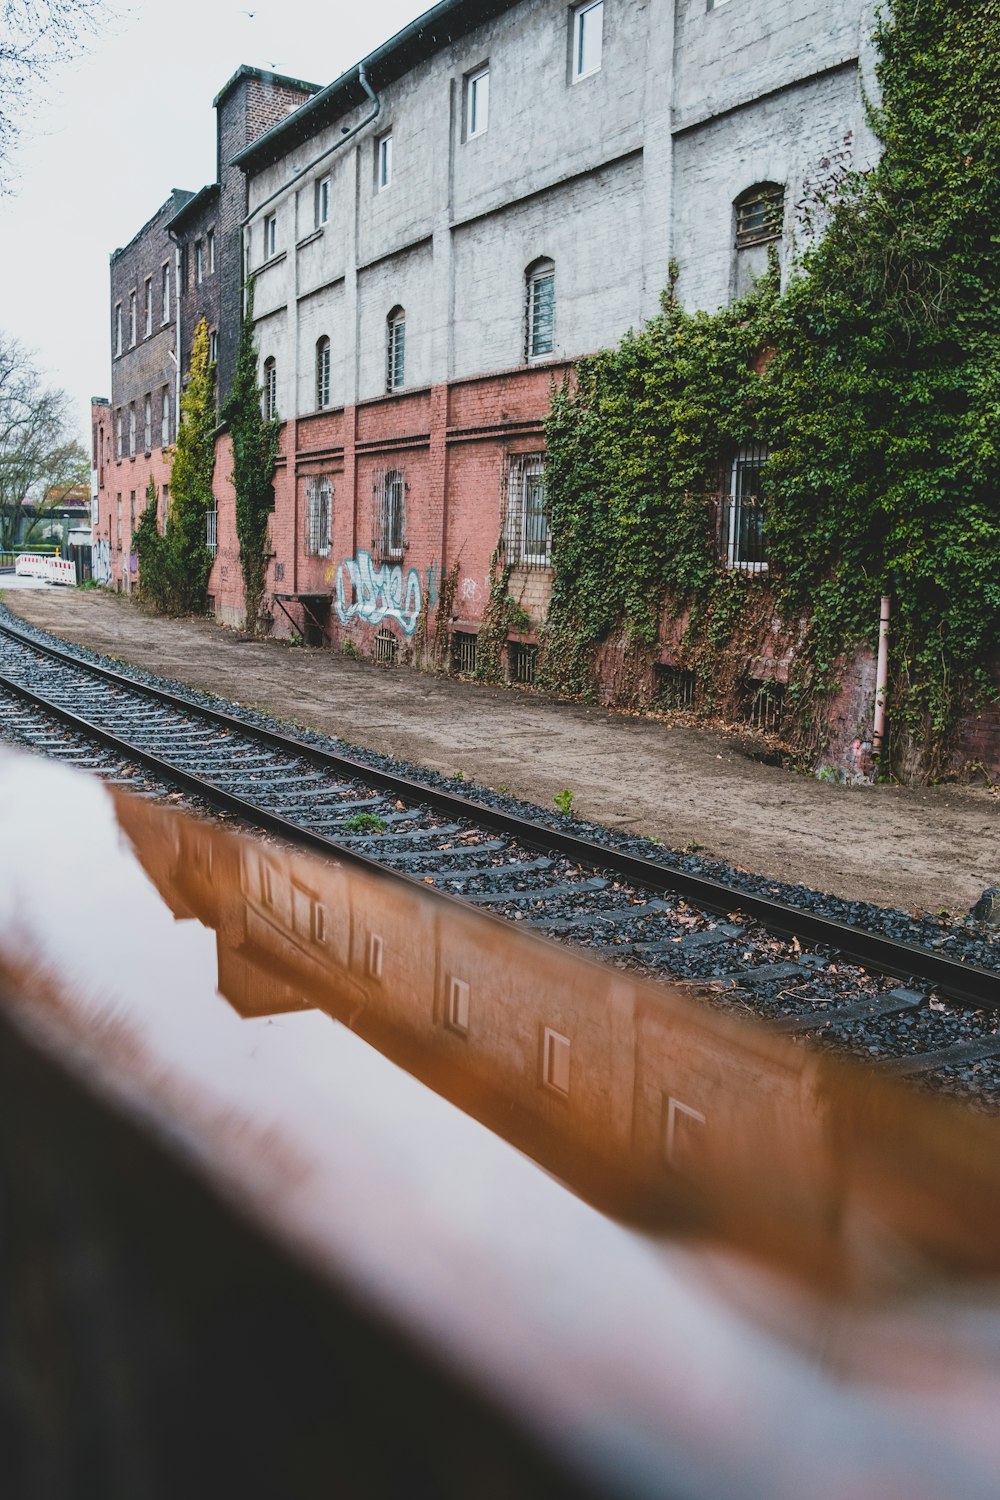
<point x="312" y="165"/>
<point x="881" y="677"/>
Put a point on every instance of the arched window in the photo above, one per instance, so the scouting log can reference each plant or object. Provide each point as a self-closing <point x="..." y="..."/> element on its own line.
<point x="389" y="538"/>
<point x="270" y="389"/>
<point x="395" y="350"/>
<point x="540" y="309"/>
<point x="758" y="221"/>
<point x="323" y="372"/>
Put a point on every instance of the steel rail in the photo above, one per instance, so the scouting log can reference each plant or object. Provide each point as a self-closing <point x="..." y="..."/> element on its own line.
<point x="967" y="983"/>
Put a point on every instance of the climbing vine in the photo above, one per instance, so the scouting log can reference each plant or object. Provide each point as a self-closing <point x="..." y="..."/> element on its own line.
<point x="174" y="566"/>
<point x="255" y="451"/>
<point x="874" y="381"/>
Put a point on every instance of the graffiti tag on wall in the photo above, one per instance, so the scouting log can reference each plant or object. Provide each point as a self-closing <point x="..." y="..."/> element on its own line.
<point x="375" y="592"/>
<point x="100" y="565"/>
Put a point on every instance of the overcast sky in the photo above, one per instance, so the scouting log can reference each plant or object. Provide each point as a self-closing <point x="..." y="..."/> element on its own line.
<point x="122" y="126"/>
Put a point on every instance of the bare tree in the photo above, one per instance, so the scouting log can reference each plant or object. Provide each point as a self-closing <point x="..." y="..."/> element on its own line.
<point x="40" y="462"/>
<point x="36" y="36"/>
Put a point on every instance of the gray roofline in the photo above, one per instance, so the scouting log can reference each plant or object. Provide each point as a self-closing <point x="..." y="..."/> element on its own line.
<point x="429" y="33"/>
<point x="178" y="198"/>
<point x="264" y="75"/>
<point x="197" y="200"/>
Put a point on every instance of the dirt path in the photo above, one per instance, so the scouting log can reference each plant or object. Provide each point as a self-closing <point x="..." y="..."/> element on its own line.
<point x="920" y="850"/>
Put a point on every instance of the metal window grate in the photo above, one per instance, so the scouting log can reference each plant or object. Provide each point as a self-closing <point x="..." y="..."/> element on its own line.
<point x="323" y="372"/>
<point x="464" y="647"/>
<point x="527" y="541"/>
<point x="764" y="704"/>
<point x="522" y="662"/>
<point x="395" y="350"/>
<point x="386" y="647"/>
<point x="389" y="538"/>
<point x="676" y="687"/>
<point x="759" y="215"/>
<point x="212" y="530"/>
<point x="541" y="310"/>
<point x="318" y="517"/>
<point x="742" y="539"/>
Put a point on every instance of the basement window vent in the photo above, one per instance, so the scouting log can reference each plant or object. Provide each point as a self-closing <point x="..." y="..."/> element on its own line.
<point x="386" y="647"/>
<point x="675" y="687"/>
<point x="764" y="704"/>
<point x="522" y="663"/>
<point x="464" y="645"/>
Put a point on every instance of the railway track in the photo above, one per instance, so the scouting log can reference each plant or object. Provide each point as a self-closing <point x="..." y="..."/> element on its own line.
<point x="909" y="1007"/>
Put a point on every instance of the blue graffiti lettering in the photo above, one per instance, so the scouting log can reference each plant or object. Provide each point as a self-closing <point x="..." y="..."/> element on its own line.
<point x="375" y="593"/>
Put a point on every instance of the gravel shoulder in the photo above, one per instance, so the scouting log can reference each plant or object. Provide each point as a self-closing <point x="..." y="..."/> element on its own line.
<point x="914" y="849"/>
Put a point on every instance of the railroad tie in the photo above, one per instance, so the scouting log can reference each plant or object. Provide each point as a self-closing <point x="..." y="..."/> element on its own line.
<point x="975" y="1050"/>
<point x="892" y="1004"/>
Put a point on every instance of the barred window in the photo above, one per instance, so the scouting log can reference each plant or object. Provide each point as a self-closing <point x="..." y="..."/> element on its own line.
<point x="389" y="540"/>
<point x="270" y="389"/>
<point x="212" y="528"/>
<point x="743" y="542"/>
<point x="319" y="516"/>
<point x="540" y="309"/>
<point x="395" y="350"/>
<point x="323" y="372"/>
<point x="759" y="215"/>
<point x="526" y="527"/>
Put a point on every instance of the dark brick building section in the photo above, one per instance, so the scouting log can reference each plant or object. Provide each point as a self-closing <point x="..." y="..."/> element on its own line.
<point x="143" y="366"/>
<point x="249" y="104"/>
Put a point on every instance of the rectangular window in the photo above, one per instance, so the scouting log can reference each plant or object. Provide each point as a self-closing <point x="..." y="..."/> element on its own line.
<point x="588" y="37"/>
<point x="541" y="310"/>
<point x="319" y="517"/>
<point x="555" y="1061"/>
<point x="119" y="433"/>
<point x="147" y="424"/>
<point x="458" y="1004"/>
<point x="383" y="162"/>
<point x="212" y="528"/>
<point x="164" y="506"/>
<point x="270" y="236"/>
<point x="743" y="543"/>
<point x="477" y="102"/>
<point x="131" y="514"/>
<point x="131" y="320"/>
<point x="213" y="346"/>
<point x="322" y="201"/>
<point x="165" y="417"/>
<point x="389" y="541"/>
<point x="131" y="429"/>
<point x="210" y="242"/>
<point x="165" y="274"/>
<point x="527" y="541"/>
<point x="199" y="261"/>
<point x="149" y="305"/>
<point x="118" y="330"/>
<point x="395" y="352"/>
<point x="118" y="522"/>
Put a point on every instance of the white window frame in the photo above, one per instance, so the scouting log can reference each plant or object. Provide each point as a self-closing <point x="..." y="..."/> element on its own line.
<point x="733" y="560"/>
<point x="120" y="425"/>
<point x="213" y="346"/>
<point x="131" y="429"/>
<point x="210" y="245"/>
<point x="148" y="295"/>
<point x="519" y="546"/>
<point x="585" y="19"/>
<point x="477" y="102"/>
<point x="270" y="384"/>
<point x="165" y="290"/>
<point x="212" y="527"/>
<point x="147" y="423"/>
<point x="458" y="997"/>
<point x="544" y="272"/>
<point x="322" y="373"/>
<point x="395" y="350"/>
<point x="132" y="326"/>
<point x="165" y="416"/>
<point x="118" y="331"/>
<point x="383" y="161"/>
<point x="321" y="202"/>
<point x="270" y="236"/>
<point x="199" y="262"/>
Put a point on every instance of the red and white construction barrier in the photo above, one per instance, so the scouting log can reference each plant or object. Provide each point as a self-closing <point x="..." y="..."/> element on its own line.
<point x="52" y="569"/>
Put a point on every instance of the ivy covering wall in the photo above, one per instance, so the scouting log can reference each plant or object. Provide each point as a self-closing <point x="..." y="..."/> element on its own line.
<point x="874" y="381"/>
<point x="255" y="450"/>
<point x="174" y="566"/>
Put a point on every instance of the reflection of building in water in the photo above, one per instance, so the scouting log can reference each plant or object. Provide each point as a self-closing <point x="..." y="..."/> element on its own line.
<point x="644" y="1103"/>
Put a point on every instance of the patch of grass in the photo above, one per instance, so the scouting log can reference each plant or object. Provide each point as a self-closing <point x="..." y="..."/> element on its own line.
<point x="365" y="823"/>
<point x="564" y="802"/>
